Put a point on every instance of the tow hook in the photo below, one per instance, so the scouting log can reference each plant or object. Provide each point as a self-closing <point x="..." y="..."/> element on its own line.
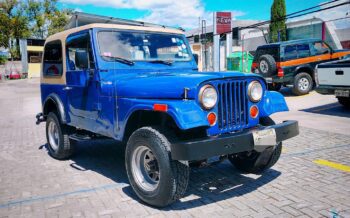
<point x="39" y="118"/>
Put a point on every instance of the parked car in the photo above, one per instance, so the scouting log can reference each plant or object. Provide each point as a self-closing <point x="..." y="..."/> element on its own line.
<point x="293" y="63"/>
<point x="14" y="75"/>
<point x="333" y="78"/>
<point x="141" y="86"/>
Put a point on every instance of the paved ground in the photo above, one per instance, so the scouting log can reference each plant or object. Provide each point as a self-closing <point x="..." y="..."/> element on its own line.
<point x="94" y="182"/>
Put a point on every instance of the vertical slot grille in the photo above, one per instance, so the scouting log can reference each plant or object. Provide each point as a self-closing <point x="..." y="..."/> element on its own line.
<point x="232" y="106"/>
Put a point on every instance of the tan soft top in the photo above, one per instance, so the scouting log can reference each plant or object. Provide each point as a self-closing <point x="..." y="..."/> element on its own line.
<point x="63" y="35"/>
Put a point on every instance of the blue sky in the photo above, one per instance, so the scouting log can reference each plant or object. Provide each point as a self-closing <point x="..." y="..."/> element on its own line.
<point x="185" y="13"/>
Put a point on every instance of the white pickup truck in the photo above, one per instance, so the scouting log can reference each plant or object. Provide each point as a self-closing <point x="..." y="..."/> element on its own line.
<point x="333" y="78"/>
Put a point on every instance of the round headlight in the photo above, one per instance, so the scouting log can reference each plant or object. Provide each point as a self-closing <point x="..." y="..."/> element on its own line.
<point x="208" y="97"/>
<point x="255" y="91"/>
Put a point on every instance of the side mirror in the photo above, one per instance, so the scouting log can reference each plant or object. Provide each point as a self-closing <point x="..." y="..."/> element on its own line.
<point x="81" y="60"/>
<point x="195" y="56"/>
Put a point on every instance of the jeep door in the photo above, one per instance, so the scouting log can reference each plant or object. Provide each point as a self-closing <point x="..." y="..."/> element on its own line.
<point x="82" y="85"/>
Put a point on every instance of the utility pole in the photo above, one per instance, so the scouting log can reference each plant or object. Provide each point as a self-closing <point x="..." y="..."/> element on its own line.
<point x="216" y="46"/>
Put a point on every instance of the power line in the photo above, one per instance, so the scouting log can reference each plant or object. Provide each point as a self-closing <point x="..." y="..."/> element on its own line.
<point x="297" y="14"/>
<point x="341" y="18"/>
<point x="317" y="6"/>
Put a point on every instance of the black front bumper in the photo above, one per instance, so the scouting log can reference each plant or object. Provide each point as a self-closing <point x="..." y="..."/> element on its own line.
<point x="200" y="149"/>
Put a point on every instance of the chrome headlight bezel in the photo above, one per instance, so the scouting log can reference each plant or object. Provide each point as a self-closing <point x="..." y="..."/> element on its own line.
<point x="201" y="97"/>
<point x="252" y="87"/>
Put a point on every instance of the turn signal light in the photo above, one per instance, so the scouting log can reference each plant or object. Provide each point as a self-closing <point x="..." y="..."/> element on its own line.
<point x="254" y="111"/>
<point x="280" y="72"/>
<point x="212" y="118"/>
<point x="160" y="107"/>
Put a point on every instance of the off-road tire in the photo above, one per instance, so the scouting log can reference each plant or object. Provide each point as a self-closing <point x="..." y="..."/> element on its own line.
<point x="253" y="162"/>
<point x="274" y="86"/>
<point x="297" y="90"/>
<point x="174" y="175"/>
<point x="345" y="101"/>
<point x="65" y="147"/>
<point x="270" y="64"/>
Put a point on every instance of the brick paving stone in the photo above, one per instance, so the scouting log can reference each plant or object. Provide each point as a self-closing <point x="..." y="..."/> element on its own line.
<point x="94" y="183"/>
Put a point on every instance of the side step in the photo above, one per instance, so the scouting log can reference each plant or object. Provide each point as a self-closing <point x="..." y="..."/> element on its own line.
<point x="79" y="137"/>
<point x="85" y="136"/>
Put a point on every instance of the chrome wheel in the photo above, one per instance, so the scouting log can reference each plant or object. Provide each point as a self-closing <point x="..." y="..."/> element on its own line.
<point x="53" y="135"/>
<point x="304" y="84"/>
<point x="145" y="168"/>
<point x="264" y="67"/>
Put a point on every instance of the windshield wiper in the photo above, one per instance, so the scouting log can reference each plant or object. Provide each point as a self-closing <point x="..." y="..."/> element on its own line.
<point x="162" y="62"/>
<point x="121" y="60"/>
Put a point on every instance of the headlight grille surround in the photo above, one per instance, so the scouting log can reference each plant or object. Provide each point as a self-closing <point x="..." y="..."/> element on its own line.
<point x="204" y="93"/>
<point x="255" y="86"/>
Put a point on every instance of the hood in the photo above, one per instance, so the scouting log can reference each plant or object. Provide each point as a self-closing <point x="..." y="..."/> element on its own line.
<point x="166" y="85"/>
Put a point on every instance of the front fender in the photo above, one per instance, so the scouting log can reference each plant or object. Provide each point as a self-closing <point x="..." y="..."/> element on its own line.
<point x="273" y="102"/>
<point x="187" y="114"/>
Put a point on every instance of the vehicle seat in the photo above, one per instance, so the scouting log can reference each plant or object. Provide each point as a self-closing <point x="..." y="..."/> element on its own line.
<point x="71" y="65"/>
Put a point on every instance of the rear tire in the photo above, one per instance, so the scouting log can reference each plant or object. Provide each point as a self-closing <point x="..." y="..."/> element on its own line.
<point x="57" y="134"/>
<point x="303" y="84"/>
<point x="345" y="101"/>
<point x="154" y="176"/>
<point x="257" y="162"/>
<point x="267" y="65"/>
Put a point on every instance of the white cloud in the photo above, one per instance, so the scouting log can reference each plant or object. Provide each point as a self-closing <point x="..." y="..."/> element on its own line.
<point x="183" y="13"/>
<point x="78" y="10"/>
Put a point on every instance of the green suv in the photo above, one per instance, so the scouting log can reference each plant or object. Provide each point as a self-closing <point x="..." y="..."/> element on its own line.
<point x="293" y="63"/>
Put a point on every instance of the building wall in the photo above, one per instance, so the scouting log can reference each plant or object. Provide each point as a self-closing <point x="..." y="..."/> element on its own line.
<point x="34" y="62"/>
<point x="346" y="44"/>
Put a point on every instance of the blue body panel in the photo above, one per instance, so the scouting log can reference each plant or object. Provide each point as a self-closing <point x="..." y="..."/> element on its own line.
<point x="273" y="102"/>
<point x="103" y="102"/>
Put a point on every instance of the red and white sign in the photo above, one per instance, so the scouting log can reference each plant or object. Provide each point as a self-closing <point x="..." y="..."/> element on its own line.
<point x="223" y="22"/>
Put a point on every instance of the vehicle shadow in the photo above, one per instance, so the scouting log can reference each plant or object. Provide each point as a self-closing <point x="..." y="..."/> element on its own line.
<point x="207" y="185"/>
<point x="287" y="92"/>
<point x="214" y="184"/>
<point x="105" y="157"/>
<point x="333" y="109"/>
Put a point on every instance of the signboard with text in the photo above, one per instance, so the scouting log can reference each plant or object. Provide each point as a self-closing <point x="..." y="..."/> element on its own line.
<point x="223" y="22"/>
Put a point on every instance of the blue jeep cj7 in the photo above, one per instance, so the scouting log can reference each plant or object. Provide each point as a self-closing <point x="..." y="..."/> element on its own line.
<point x="141" y="86"/>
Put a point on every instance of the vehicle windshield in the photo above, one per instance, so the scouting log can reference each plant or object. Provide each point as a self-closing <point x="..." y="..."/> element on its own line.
<point x="142" y="46"/>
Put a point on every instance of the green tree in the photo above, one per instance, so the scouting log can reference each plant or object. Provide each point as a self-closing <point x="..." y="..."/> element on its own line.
<point x="29" y="18"/>
<point x="278" y="27"/>
<point x="57" y="19"/>
<point x="13" y="25"/>
<point x="35" y="14"/>
<point x="45" y="17"/>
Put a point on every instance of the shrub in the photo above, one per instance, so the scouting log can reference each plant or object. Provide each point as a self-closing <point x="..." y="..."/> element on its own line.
<point x="3" y="59"/>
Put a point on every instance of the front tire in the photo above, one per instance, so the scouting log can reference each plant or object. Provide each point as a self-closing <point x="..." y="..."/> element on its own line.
<point x="154" y="176"/>
<point x="303" y="84"/>
<point x="57" y="134"/>
<point x="258" y="162"/>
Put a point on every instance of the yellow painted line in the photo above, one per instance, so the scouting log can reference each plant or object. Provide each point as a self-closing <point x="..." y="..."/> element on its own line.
<point x="334" y="165"/>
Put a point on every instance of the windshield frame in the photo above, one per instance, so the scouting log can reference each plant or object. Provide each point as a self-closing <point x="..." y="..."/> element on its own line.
<point x="182" y="36"/>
